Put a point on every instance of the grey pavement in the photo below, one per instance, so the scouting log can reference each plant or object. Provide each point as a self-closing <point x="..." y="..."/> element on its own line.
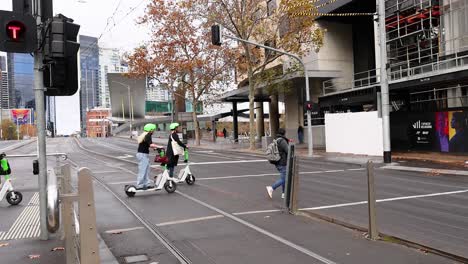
<point x="22" y="247"/>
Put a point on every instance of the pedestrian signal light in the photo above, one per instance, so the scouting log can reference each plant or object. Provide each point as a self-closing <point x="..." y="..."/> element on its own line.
<point x="308" y="106"/>
<point x="17" y="32"/>
<point x="15" y="29"/>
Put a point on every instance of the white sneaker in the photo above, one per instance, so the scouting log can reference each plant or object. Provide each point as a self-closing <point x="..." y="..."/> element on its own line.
<point x="270" y="191"/>
<point x="282" y="196"/>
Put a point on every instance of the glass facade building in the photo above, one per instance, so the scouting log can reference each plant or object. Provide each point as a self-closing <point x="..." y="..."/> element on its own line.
<point x="89" y="79"/>
<point x="21" y="80"/>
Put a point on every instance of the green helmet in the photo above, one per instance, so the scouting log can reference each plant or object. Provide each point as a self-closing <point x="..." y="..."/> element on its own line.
<point x="149" y="127"/>
<point x="174" y="126"/>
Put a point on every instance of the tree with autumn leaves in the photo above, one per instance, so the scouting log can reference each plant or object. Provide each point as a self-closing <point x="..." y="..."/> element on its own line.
<point x="180" y="51"/>
<point x="180" y="54"/>
<point x="272" y="23"/>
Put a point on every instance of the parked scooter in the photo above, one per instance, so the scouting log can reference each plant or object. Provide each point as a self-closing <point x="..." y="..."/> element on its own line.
<point x="13" y="197"/>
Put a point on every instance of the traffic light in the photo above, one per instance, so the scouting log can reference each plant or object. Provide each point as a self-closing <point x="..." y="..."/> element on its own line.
<point x="60" y="57"/>
<point x="18" y="32"/>
<point x="216" y="35"/>
<point x="308" y="105"/>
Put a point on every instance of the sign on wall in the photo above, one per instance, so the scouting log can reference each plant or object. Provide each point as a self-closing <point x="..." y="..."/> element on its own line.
<point x="431" y="131"/>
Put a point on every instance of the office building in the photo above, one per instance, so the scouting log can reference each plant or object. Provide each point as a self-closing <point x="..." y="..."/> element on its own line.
<point x="109" y="62"/>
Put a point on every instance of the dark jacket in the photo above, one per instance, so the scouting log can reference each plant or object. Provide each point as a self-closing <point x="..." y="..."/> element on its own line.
<point x="283" y="147"/>
<point x="144" y="146"/>
<point x="173" y="159"/>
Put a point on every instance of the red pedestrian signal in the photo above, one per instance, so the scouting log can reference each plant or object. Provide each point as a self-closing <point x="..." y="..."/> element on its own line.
<point x="18" y="32"/>
<point x="15" y="29"/>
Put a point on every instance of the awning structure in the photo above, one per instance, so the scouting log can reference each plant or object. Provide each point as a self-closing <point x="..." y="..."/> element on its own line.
<point x="262" y="92"/>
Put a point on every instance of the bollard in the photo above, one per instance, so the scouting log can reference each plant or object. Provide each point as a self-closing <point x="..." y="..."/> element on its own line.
<point x="373" y="233"/>
<point x="288" y="192"/>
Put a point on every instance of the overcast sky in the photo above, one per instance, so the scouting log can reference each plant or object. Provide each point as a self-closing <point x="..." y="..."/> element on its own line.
<point x="95" y="16"/>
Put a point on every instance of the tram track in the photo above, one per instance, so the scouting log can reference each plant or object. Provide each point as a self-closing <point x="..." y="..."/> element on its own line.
<point x="170" y="246"/>
<point x="148" y="225"/>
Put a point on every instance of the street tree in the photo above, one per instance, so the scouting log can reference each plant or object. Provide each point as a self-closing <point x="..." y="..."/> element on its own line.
<point x="272" y="23"/>
<point x="9" y="130"/>
<point x="180" y="53"/>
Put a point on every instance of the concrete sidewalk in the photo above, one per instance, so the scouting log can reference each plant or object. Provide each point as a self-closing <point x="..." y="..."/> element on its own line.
<point x="419" y="159"/>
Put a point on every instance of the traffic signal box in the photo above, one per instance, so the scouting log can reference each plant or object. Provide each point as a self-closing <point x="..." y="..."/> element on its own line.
<point x="17" y="32"/>
<point x="60" y="57"/>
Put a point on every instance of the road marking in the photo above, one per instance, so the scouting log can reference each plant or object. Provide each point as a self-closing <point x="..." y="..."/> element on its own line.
<point x="258" y="212"/>
<point x="260" y="230"/>
<point x="27" y="224"/>
<point x="405" y="168"/>
<point x="204" y="151"/>
<point x="124" y="230"/>
<point x="239" y="176"/>
<point x="228" y="162"/>
<point x="385" y="200"/>
<point x="360" y="169"/>
<point x="100" y="172"/>
<point x="189" y="220"/>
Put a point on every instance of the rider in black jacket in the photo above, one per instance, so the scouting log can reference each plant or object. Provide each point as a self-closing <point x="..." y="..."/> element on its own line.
<point x="282" y="143"/>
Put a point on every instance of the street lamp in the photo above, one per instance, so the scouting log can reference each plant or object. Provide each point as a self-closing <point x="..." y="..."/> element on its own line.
<point x="129" y="103"/>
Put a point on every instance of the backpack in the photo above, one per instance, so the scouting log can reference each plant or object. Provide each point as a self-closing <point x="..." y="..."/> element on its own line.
<point x="272" y="152"/>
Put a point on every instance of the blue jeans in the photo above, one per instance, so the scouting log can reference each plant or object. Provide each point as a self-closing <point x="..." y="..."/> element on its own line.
<point x="143" y="170"/>
<point x="280" y="182"/>
<point x="171" y="171"/>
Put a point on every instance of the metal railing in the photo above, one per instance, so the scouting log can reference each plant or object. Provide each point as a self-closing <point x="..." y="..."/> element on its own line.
<point x="360" y="80"/>
<point x="438" y="66"/>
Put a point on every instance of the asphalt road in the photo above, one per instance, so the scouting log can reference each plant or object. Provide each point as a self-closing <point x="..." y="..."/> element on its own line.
<point x="226" y="216"/>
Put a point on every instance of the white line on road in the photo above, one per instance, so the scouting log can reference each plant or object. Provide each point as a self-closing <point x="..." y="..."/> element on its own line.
<point x="190" y="220"/>
<point x="385" y="200"/>
<point x="228" y="162"/>
<point x="239" y="176"/>
<point x="405" y="168"/>
<point x="260" y="230"/>
<point x="124" y="230"/>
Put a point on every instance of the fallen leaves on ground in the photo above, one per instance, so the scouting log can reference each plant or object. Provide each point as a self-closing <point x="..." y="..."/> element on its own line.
<point x="4" y="245"/>
<point x="58" y="249"/>
<point x="34" y="256"/>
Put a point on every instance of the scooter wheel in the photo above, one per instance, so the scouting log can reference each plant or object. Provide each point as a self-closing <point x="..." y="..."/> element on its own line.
<point x="130" y="190"/>
<point x="190" y="180"/>
<point x="170" y="186"/>
<point x="14" y="200"/>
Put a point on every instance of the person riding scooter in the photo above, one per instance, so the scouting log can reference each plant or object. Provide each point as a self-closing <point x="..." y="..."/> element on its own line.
<point x="145" y="142"/>
<point x="174" y="148"/>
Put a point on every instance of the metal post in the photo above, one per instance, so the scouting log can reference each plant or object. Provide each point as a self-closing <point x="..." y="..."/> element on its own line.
<point x="384" y="85"/>
<point x="129" y="111"/>
<point x="306" y="76"/>
<point x="41" y="130"/>
<point x="373" y="233"/>
<point x="89" y="250"/>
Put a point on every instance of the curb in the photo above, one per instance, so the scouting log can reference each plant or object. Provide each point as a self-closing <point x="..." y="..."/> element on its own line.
<point x="385" y="237"/>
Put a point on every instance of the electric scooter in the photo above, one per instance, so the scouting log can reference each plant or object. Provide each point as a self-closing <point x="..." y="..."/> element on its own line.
<point x="185" y="174"/>
<point x="160" y="181"/>
<point x="13" y="197"/>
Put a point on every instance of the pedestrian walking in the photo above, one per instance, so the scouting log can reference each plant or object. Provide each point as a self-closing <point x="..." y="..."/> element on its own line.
<point x="145" y="142"/>
<point x="174" y="148"/>
<point x="224" y="132"/>
<point x="280" y="146"/>
<point x="300" y="134"/>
